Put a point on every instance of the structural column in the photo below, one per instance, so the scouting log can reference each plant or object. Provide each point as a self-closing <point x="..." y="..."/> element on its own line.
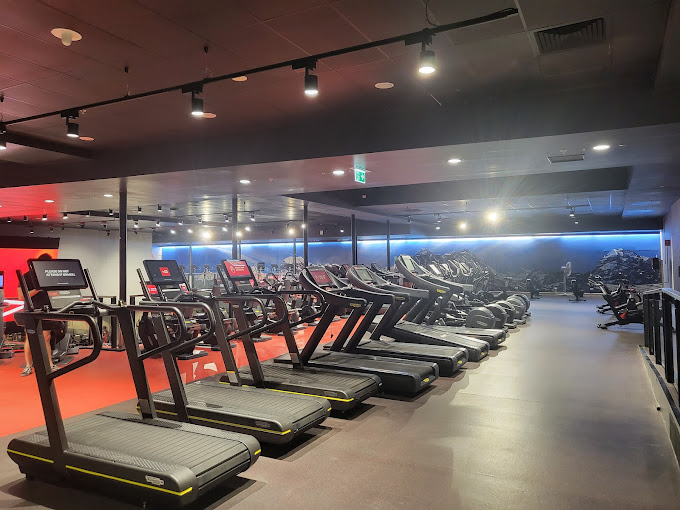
<point x="305" y="235"/>
<point x="234" y="227"/>
<point x="353" y="230"/>
<point x="389" y="254"/>
<point x="122" y="242"/>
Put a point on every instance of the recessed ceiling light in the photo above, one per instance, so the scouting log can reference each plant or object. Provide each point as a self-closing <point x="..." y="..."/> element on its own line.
<point x="208" y="115"/>
<point x="66" y="35"/>
<point x="492" y="216"/>
<point x="454" y="161"/>
<point x="244" y="181"/>
<point x="383" y="85"/>
<point x="601" y="147"/>
<point x="86" y="138"/>
<point x="206" y="234"/>
<point x="338" y="172"/>
<point x="240" y="78"/>
<point x="462" y="225"/>
<point x="247" y="228"/>
<point x="48" y="201"/>
<point x="108" y="195"/>
<point x="191" y="231"/>
<point x="173" y="231"/>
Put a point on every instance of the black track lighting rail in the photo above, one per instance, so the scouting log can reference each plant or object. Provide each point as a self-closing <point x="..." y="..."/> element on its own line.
<point x="420" y="37"/>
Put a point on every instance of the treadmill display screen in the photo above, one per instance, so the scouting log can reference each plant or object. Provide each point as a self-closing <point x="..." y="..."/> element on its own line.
<point x="363" y="273"/>
<point x="408" y="263"/>
<point x="237" y="269"/>
<point x="320" y="277"/>
<point x="164" y="272"/>
<point x="58" y="274"/>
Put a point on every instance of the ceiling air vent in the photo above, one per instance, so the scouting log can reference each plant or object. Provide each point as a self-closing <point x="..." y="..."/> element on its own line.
<point x="572" y="36"/>
<point x="566" y="158"/>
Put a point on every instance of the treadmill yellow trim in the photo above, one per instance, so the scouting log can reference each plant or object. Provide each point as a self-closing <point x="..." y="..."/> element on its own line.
<point x="299" y="393"/>
<point x="30" y="456"/>
<point x="229" y="423"/>
<point x="131" y="482"/>
<point x="427" y="379"/>
<point x="258" y="451"/>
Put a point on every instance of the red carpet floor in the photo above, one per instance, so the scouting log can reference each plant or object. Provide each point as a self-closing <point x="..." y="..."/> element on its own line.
<point x="107" y="381"/>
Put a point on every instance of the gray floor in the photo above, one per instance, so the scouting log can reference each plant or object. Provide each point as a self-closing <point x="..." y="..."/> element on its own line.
<point x="563" y="417"/>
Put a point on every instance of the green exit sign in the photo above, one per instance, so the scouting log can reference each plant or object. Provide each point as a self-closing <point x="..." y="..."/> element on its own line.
<point x="360" y="175"/>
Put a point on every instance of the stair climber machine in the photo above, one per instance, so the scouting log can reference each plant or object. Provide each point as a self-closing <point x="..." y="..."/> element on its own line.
<point x="479" y="322"/>
<point x="408" y="299"/>
<point x="398" y="375"/>
<point x="344" y="390"/>
<point x="449" y="359"/>
<point x="143" y="458"/>
<point x="270" y="417"/>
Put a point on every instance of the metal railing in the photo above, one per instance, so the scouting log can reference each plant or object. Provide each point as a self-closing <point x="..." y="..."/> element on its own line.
<point x="662" y="315"/>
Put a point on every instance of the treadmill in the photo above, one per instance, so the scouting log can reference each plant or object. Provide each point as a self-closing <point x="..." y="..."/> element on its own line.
<point x="449" y="359"/>
<point x="397" y="375"/>
<point x="391" y="323"/>
<point x="140" y="458"/>
<point x="344" y="390"/>
<point x="270" y="417"/>
<point x="440" y="291"/>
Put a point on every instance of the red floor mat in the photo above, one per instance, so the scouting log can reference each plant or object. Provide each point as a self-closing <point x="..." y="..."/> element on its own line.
<point x="107" y="381"/>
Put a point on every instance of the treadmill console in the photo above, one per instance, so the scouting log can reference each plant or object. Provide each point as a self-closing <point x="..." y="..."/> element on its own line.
<point x="240" y="275"/>
<point x="166" y="279"/>
<point x="61" y="279"/>
<point x="363" y="273"/>
<point x="321" y="278"/>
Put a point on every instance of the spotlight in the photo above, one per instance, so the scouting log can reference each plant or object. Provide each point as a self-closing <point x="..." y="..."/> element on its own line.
<point x="181" y="222"/>
<point x="462" y="225"/>
<point x="247" y="228"/>
<point x="3" y="144"/>
<point x="576" y="223"/>
<point x="252" y="216"/>
<point x="304" y="226"/>
<point x="572" y="213"/>
<point x="200" y="219"/>
<point x="408" y="218"/>
<point x="72" y="128"/>
<point x="206" y="234"/>
<point x="189" y="230"/>
<point x="49" y="201"/>
<point x="160" y="207"/>
<point x="338" y="172"/>
<point x="158" y="223"/>
<point x="311" y="81"/>
<point x="173" y="231"/>
<point x="225" y="229"/>
<point x="244" y="181"/>
<point x="110" y="212"/>
<point x="108" y="195"/>
<point x="32" y="231"/>
<point x="239" y="234"/>
<point x="492" y="216"/>
<point x="226" y="218"/>
<point x="342" y="230"/>
<point x="439" y="218"/>
<point x="139" y="208"/>
<point x="196" y="104"/>
<point x="65" y="216"/>
<point x="25" y="218"/>
<point x="44" y="218"/>
<point x="291" y="231"/>
<point x="9" y="220"/>
<point x="88" y="214"/>
<point x="454" y="161"/>
<point x="437" y="227"/>
<point x="427" y="64"/>
<point x="136" y="225"/>
<point x="601" y="147"/>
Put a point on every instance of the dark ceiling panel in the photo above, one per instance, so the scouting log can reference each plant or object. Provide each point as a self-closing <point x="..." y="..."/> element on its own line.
<point x="499" y="187"/>
<point x="266" y="9"/>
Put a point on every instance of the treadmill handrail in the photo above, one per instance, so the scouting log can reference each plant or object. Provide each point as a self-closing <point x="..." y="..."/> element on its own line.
<point x="70" y="317"/>
<point x="307" y="281"/>
<point x="193" y="341"/>
<point x="418" y="280"/>
<point x="259" y="327"/>
<point x="357" y="282"/>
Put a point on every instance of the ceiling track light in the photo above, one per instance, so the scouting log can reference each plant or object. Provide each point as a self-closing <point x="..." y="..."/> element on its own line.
<point x="25" y="218"/>
<point x="408" y="218"/>
<point x="110" y="212"/>
<point x="196" y="102"/>
<point x="136" y="224"/>
<point x="32" y="231"/>
<point x="252" y="216"/>
<point x="139" y="208"/>
<point x="427" y="60"/>
<point x="65" y="216"/>
<point x="3" y="143"/>
<point x="158" y="223"/>
<point x="51" y="229"/>
<point x="44" y="218"/>
<point x="439" y="218"/>
<point x="200" y="219"/>
<point x="572" y="212"/>
<point x="160" y="208"/>
<point x="311" y="80"/>
<point x="72" y="128"/>
<point x="9" y="220"/>
<point x="226" y="218"/>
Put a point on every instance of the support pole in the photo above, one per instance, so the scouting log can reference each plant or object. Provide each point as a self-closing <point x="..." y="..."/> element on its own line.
<point x="191" y="264"/>
<point x="294" y="254"/>
<point x="353" y="228"/>
<point x="389" y="254"/>
<point x="305" y="235"/>
<point x="234" y="227"/>
<point x="122" y="242"/>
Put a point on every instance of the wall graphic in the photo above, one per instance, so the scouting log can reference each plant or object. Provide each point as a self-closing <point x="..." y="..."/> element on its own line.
<point x="538" y="257"/>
